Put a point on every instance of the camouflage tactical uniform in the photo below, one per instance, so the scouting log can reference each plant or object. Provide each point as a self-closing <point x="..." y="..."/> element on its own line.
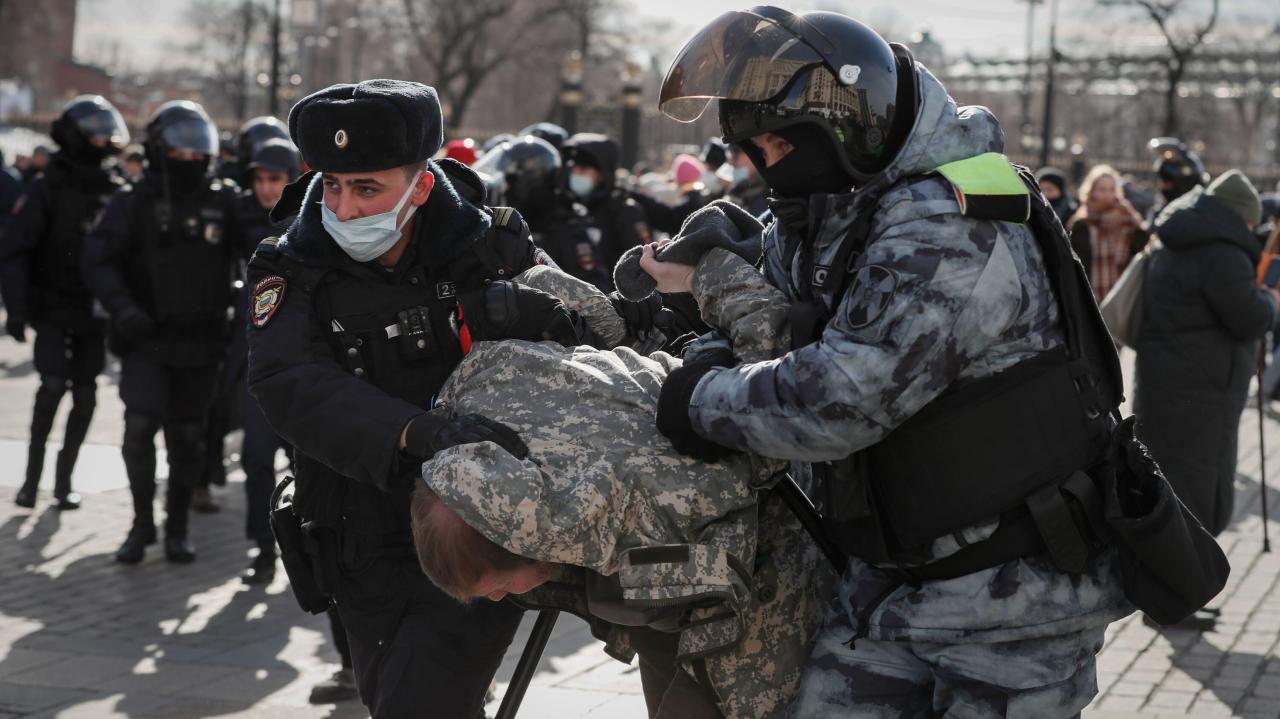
<point x="937" y="298"/>
<point x="603" y="490"/>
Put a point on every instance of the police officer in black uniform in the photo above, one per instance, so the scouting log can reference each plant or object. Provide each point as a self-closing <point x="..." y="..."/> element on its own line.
<point x="357" y="315"/>
<point x="273" y="165"/>
<point x="592" y="164"/>
<point x="253" y="136"/>
<point x="42" y="283"/>
<point x="528" y="173"/>
<point x="161" y="261"/>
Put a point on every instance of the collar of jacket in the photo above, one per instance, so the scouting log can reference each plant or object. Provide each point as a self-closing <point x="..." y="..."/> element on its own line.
<point x="443" y="227"/>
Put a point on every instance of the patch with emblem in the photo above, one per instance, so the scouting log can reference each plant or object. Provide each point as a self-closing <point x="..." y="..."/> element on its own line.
<point x="267" y="296"/>
<point x="872" y="291"/>
<point x="340" y="139"/>
<point x="642" y="231"/>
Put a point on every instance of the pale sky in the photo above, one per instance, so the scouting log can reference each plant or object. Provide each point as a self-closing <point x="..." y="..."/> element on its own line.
<point x="146" y="29"/>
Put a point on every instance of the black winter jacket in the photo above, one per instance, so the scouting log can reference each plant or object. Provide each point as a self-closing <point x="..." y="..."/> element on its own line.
<point x="1203" y="318"/>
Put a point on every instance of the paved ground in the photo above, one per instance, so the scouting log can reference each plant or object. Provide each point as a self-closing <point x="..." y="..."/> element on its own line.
<point x="83" y="637"/>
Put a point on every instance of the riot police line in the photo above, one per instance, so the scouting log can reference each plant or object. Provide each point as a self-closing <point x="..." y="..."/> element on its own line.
<point x="720" y="471"/>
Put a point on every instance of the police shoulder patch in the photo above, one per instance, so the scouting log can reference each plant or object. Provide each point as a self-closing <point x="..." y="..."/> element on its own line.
<point x="267" y="296"/>
<point x="872" y="291"/>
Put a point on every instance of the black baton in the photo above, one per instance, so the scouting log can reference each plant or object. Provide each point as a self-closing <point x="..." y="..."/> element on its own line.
<point x="528" y="664"/>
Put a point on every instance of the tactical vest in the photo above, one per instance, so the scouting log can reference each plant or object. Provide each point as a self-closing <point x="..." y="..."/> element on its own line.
<point x="57" y="283"/>
<point x="181" y="270"/>
<point x="1014" y="446"/>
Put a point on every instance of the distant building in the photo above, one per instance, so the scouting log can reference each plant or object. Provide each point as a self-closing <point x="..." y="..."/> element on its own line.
<point x="36" y="41"/>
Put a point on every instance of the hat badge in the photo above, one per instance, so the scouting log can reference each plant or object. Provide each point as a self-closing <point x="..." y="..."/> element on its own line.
<point x="340" y="139"/>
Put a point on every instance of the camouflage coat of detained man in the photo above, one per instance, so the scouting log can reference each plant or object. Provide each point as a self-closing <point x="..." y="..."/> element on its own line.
<point x="937" y="298"/>
<point x="602" y="489"/>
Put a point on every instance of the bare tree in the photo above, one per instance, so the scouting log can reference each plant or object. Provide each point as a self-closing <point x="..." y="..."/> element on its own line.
<point x="462" y="43"/>
<point x="1181" y="44"/>
<point x="233" y="34"/>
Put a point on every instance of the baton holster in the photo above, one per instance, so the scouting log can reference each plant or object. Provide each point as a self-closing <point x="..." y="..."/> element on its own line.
<point x="298" y="554"/>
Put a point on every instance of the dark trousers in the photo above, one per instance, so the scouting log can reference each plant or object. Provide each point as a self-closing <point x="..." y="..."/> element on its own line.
<point x="416" y="651"/>
<point x="669" y="691"/>
<point x="339" y="633"/>
<point x="226" y="410"/>
<point x="175" y="399"/>
<point x="258" y="457"/>
<point x="65" y="358"/>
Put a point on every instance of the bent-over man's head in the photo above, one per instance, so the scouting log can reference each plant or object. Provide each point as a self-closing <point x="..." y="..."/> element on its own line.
<point x="461" y="561"/>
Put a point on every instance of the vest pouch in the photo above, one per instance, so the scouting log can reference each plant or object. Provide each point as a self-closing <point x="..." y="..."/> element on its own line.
<point x="189" y="280"/>
<point x="848" y="512"/>
<point x="981" y="450"/>
<point x="1170" y="565"/>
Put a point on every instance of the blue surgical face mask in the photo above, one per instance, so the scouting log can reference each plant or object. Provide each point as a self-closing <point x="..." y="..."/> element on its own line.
<point x="368" y="238"/>
<point x="740" y="174"/>
<point x="581" y="185"/>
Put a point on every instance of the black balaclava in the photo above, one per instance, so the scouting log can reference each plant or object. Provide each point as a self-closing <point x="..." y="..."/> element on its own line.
<point x="186" y="177"/>
<point x="811" y="168"/>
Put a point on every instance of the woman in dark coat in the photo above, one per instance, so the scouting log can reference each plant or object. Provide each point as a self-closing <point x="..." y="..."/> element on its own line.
<point x="1203" y="318"/>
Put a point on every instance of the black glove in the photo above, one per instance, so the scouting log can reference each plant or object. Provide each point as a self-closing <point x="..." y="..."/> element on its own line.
<point x="134" y="325"/>
<point x="431" y="433"/>
<point x="673" y="414"/>
<point x="640" y="316"/>
<point x="512" y="311"/>
<point x="16" y="327"/>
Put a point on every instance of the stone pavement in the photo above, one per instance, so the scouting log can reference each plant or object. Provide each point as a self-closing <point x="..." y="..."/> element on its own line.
<point x="81" y="636"/>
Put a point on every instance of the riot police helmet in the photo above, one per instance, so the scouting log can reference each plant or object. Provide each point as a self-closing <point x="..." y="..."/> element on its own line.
<point x="552" y="133"/>
<point x="180" y="125"/>
<point x="771" y="70"/>
<point x="527" y="170"/>
<point x="257" y="131"/>
<point x="90" y="128"/>
<point x="494" y="141"/>
<point x="277" y="155"/>
<point x="1177" y="168"/>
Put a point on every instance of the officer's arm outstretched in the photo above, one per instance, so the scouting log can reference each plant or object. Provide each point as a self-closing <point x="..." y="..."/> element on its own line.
<point x="916" y="312"/>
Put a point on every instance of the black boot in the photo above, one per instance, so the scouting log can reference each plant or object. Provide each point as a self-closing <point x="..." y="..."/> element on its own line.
<point x="263" y="568"/>
<point x="135" y="545"/>
<point x="179" y="550"/>
<point x="48" y="395"/>
<point x="67" y="499"/>
<point x="83" y="400"/>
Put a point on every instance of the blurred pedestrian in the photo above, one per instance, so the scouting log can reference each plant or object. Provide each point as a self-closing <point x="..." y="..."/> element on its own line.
<point x="133" y="163"/>
<point x="42" y="283"/>
<point x="1105" y="231"/>
<point x="1203" y="317"/>
<point x="1053" y="183"/>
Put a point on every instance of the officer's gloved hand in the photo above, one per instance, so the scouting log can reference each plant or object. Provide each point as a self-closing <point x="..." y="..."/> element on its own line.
<point x="673" y="413"/>
<point x="135" y="325"/>
<point x="512" y="311"/>
<point x="430" y="433"/>
<point x="640" y="315"/>
<point x="16" y="327"/>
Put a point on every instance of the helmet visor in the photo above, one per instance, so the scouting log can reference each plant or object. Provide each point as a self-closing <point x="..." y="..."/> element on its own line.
<point x="104" y="127"/>
<point x="739" y="56"/>
<point x="193" y="134"/>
